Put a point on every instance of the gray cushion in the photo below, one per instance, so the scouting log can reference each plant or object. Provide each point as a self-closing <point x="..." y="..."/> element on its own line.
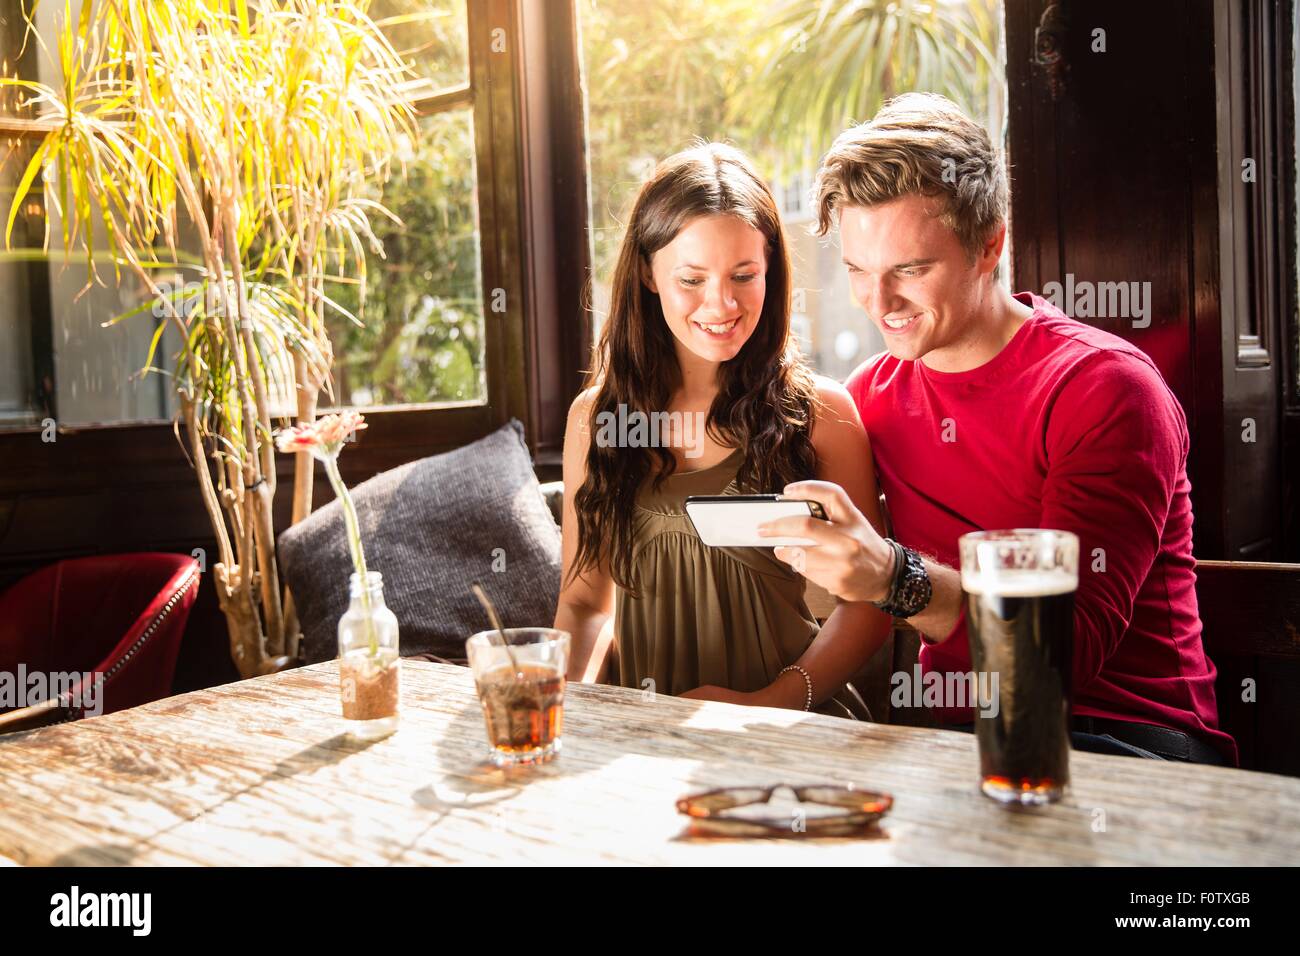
<point x="553" y="494"/>
<point x="432" y="527"/>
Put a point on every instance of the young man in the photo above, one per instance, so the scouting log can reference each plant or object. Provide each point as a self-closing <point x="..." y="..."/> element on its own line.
<point x="992" y="411"/>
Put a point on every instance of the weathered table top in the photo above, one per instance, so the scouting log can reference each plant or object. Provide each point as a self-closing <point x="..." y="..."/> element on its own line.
<point x="256" y="773"/>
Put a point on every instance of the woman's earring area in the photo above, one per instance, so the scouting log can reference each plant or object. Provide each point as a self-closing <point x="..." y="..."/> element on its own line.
<point x="647" y="275"/>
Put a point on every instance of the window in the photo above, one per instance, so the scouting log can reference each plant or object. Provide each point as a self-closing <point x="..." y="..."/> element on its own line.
<point x="422" y="340"/>
<point x="56" y="362"/>
<point x="18" y="403"/>
<point x="24" y="365"/>
<point x="780" y="87"/>
<point x="423" y="344"/>
<point x="795" y="205"/>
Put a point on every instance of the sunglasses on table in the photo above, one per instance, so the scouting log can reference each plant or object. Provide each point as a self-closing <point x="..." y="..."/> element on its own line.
<point x="710" y="812"/>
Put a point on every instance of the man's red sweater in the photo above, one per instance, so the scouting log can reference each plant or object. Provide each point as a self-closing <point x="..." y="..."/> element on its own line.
<point x="1072" y="428"/>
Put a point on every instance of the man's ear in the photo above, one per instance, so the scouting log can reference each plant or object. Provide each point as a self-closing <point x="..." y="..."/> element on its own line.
<point x="992" y="250"/>
<point x="647" y="277"/>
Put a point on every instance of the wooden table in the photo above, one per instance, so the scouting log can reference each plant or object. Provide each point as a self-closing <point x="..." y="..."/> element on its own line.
<point x="256" y="772"/>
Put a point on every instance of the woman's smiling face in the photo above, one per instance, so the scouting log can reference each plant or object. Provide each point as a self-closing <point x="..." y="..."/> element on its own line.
<point x="711" y="284"/>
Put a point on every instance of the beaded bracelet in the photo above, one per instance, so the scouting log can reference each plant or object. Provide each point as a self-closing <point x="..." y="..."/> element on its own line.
<point x="807" y="704"/>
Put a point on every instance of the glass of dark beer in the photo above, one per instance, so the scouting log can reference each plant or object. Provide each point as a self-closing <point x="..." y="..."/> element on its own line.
<point x="1019" y="589"/>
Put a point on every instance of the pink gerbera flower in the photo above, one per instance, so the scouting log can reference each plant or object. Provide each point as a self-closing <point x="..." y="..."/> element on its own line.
<point x="324" y="437"/>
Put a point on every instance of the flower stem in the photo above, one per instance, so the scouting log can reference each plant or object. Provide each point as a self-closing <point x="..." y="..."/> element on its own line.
<point x="354" y="542"/>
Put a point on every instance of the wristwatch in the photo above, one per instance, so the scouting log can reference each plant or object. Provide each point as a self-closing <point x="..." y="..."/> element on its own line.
<point x="909" y="593"/>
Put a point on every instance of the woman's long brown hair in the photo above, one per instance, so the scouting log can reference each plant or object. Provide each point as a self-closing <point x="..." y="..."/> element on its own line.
<point x="766" y="394"/>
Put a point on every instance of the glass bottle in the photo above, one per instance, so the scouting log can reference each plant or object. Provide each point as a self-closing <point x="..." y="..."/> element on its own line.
<point x="369" y="663"/>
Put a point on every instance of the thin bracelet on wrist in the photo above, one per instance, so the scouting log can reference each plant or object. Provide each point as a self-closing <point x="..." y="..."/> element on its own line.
<point x="900" y="565"/>
<point x="808" y="699"/>
<point x="896" y="573"/>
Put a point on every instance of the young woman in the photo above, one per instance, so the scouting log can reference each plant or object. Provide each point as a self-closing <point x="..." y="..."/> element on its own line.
<point x="699" y="328"/>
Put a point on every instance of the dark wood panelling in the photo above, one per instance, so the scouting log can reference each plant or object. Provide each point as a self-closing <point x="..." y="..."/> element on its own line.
<point x="1251" y="618"/>
<point x="1291" y="483"/>
<point x="1247" y="59"/>
<point x="131" y="488"/>
<point x="1123" y="168"/>
<point x="558" y="246"/>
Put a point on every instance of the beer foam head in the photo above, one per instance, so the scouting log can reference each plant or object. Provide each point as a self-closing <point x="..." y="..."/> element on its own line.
<point x="1020" y="583"/>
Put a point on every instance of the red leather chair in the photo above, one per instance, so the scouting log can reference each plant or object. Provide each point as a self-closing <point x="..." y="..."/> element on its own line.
<point x="117" y="617"/>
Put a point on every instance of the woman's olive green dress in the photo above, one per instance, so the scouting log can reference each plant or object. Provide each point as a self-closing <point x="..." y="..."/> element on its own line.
<point x="726" y="616"/>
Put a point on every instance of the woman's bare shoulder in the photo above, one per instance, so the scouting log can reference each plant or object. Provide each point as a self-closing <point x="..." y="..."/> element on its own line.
<point x="835" y="402"/>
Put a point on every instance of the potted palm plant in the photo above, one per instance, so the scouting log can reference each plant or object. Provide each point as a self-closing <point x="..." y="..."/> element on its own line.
<point x="251" y="128"/>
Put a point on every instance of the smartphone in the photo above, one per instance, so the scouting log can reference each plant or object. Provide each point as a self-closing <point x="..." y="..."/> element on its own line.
<point x="731" y="521"/>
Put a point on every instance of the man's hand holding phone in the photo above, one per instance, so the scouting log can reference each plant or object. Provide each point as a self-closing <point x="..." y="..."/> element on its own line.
<point x="850" y="560"/>
<point x="732" y="521"/>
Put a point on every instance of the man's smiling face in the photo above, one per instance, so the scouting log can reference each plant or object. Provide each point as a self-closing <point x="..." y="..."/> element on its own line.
<point x="911" y="275"/>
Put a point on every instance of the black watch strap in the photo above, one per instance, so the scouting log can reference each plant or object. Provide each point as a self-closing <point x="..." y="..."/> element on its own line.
<point x="910" y="590"/>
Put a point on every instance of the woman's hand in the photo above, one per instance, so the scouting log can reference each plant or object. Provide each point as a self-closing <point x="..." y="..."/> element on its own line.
<point x="851" y="561"/>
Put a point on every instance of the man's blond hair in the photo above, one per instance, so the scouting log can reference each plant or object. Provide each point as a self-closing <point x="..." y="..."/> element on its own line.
<point x="917" y="143"/>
